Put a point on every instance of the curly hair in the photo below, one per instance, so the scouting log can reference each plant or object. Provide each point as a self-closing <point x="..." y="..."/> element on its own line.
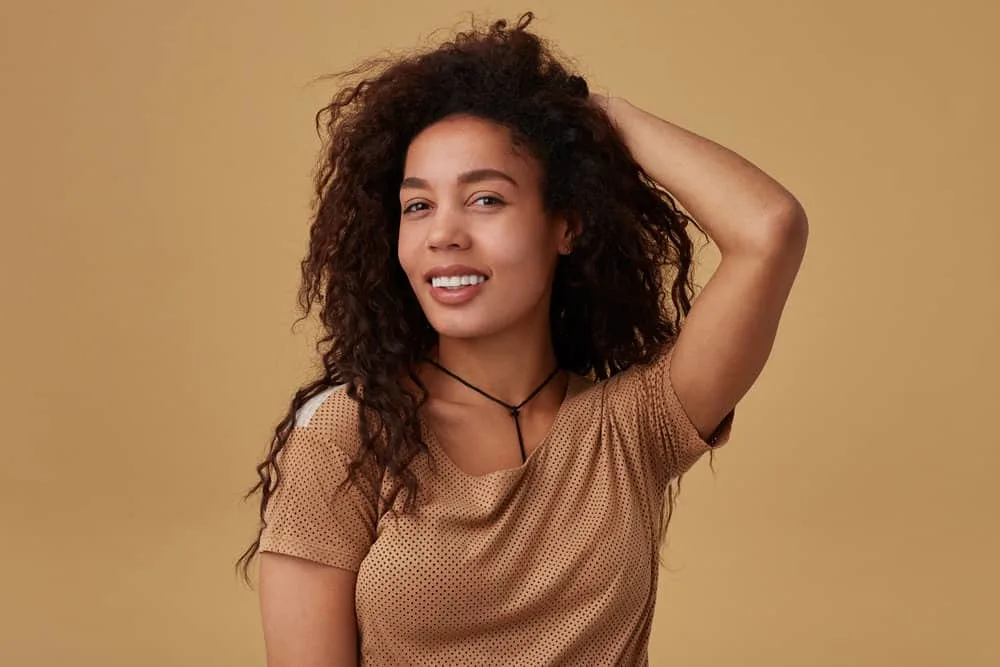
<point x="608" y="308"/>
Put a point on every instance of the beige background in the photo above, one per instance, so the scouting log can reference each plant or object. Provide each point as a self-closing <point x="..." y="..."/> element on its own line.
<point x="155" y="190"/>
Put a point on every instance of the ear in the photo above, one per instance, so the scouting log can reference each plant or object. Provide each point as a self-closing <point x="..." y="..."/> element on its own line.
<point x="569" y="229"/>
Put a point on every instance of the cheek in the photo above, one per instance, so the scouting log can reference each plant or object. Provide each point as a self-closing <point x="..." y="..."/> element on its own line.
<point x="406" y="252"/>
<point x="527" y="256"/>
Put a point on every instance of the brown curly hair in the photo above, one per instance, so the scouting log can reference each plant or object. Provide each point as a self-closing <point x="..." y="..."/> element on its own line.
<point x="608" y="309"/>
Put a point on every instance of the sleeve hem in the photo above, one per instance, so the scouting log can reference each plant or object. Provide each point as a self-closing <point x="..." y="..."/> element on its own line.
<point x="291" y="546"/>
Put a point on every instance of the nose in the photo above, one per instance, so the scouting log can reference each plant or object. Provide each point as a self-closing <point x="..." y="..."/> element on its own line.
<point x="447" y="230"/>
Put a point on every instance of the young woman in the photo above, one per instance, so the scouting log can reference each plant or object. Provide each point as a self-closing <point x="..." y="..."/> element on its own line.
<point x="515" y="377"/>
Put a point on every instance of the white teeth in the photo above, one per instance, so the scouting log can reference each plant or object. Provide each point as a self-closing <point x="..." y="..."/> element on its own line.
<point x="454" y="282"/>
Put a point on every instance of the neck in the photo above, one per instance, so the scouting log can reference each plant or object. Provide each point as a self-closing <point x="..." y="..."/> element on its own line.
<point x="507" y="367"/>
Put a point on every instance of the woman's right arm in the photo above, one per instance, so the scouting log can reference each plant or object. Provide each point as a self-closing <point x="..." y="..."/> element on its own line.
<point x="307" y="610"/>
<point x="315" y="537"/>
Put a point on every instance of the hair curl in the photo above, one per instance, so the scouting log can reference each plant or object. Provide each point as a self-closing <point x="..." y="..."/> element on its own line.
<point x="608" y="309"/>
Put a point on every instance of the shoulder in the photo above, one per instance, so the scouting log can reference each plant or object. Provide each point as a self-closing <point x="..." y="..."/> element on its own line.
<point x="638" y="379"/>
<point x="330" y="417"/>
<point x="329" y="397"/>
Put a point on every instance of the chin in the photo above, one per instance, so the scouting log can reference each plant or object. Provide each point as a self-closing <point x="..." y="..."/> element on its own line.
<point x="472" y="323"/>
<point x="461" y="330"/>
<point x="479" y="322"/>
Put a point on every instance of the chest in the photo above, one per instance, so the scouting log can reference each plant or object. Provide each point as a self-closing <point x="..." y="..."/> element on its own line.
<point x="576" y="543"/>
<point x="485" y="440"/>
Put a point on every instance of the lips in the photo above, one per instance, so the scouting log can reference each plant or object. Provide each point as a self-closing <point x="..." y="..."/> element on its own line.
<point x="454" y="296"/>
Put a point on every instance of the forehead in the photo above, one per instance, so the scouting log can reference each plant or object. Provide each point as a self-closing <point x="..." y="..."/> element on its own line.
<point x="460" y="143"/>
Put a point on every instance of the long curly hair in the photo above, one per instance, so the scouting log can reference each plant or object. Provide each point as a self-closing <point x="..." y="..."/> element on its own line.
<point x="609" y="309"/>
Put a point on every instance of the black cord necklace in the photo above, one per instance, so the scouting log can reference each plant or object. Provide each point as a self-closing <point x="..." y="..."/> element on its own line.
<point x="515" y="410"/>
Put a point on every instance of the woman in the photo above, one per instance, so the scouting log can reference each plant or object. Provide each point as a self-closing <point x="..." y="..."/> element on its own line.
<point x="485" y="470"/>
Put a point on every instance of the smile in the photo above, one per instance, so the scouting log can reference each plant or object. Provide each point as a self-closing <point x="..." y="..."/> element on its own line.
<point x="455" y="282"/>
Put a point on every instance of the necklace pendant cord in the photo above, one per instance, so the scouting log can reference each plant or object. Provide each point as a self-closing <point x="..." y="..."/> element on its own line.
<point x="515" y="410"/>
<point x="520" y="440"/>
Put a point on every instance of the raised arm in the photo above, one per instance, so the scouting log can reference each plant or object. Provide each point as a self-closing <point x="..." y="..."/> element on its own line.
<point x="761" y="232"/>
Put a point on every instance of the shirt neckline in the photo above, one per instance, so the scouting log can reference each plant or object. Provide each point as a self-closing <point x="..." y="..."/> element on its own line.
<point x="574" y="386"/>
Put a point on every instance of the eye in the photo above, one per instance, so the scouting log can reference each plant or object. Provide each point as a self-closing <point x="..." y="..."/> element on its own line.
<point x="411" y="209"/>
<point x="496" y="201"/>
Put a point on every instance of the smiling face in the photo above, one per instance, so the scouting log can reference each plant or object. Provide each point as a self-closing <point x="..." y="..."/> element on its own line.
<point x="474" y="239"/>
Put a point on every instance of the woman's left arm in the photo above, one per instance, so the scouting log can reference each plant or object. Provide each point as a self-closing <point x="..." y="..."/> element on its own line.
<point x="761" y="231"/>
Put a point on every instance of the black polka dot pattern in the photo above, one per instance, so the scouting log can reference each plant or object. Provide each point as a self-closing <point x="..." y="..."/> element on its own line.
<point x="552" y="562"/>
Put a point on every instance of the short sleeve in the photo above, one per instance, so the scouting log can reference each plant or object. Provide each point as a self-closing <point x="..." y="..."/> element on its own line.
<point x="645" y="393"/>
<point x="308" y="516"/>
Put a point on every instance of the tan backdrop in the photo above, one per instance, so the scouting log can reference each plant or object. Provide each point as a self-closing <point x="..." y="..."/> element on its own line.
<point x="155" y="198"/>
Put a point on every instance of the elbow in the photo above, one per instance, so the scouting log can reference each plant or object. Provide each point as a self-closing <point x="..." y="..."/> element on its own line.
<point x="792" y="227"/>
<point x="784" y="231"/>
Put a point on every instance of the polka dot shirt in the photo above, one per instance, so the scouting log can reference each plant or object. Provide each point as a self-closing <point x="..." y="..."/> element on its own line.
<point x="550" y="563"/>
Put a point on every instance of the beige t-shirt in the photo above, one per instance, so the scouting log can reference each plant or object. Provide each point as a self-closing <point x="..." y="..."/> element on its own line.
<point x="550" y="563"/>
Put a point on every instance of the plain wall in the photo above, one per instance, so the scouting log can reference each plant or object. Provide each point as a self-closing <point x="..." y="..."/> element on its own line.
<point x="156" y="163"/>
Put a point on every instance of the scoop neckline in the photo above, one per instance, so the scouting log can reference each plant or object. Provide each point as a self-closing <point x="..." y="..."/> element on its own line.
<point x="574" y="386"/>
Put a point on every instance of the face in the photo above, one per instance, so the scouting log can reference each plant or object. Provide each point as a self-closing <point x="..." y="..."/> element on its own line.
<point x="474" y="239"/>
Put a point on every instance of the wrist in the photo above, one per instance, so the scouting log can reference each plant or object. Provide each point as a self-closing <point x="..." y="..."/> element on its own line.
<point x="618" y="109"/>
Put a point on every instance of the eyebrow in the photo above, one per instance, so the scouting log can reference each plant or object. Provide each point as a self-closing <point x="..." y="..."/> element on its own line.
<point x="474" y="176"/>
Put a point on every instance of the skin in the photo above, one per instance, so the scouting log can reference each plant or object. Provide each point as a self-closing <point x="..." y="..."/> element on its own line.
<point x="307" y="612"/>
<point x="499" y="341"/>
